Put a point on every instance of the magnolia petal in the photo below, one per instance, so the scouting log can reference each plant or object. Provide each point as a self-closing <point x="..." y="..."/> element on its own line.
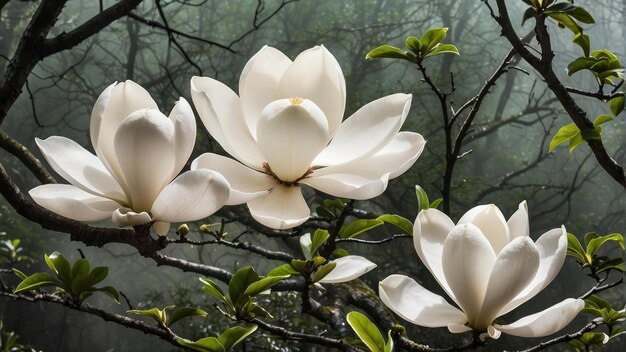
<point x="245" y="183"/>
<point x="161" y="228"/>
<point x="81" y="168"/>
<point x="367" y="131"/>
<point x="416" y="304"/>
<point x="514" y="269"/>
<point x="467" y="258"/>
<point x="290" y="134"/>
<point x="221" y="112"/>
<point x="552" y="247"/>
<point x="111" y="109"/>
<point x="258" y="82"/>
<point x="348" y="268"/>
<point x="144" y="145"/>
<point x="430" y="231"/>
<point x="546" y="322"/>
<point x="518" y="222"/>
<point x="458" y="328"/>
<point x="184" y="133"/>
<point x="72" y="202"/>
<point x="348" y="185"/>
<point x="316" y="75"/>
<point x="394" y="159"/>
<point x="491" y="223"/>
<point x="193" y="195"/>
<point x="123" y="217"/>
<point x="493" y="333"/>
<point x="283" y="208"/>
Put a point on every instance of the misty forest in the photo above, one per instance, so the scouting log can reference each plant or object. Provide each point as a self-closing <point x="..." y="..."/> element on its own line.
<point x="312" y="175"/>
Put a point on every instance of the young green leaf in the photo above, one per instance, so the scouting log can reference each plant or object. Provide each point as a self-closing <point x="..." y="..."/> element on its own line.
<point x="389" y="344"/>
<point x="398" y="221"/>
<point x="389" y="52"/>
<point x="60" y="266"/>
<point x="565" y="133"/>
<point x="322" y="271"/>
<point x="263" y="285"/>
<point x="414" y="44"/>
<point x="212" y="289"/>
<point x="366" y="331"/>
<point x="604" y="118"/>
<point x="431" y="38"/>
<point x="207" y="344"/>
<point x="435" y="203"/>
<point x="233" y="336"/>
<point x="185" y="312"/>
<point x="596" y="243"/>
<point x="281" y="270"/>
<point x="358" y="227"/>
<point x="35" y="281"/>
<point x="318" y="239"/>
<point x="109" y="290"/>
<point x="617" y="105"/>
<point x="81" y="266"/>
<point x="422" y="198"/>
<point x="240" y="281"/>
<point x="443" y="49"/>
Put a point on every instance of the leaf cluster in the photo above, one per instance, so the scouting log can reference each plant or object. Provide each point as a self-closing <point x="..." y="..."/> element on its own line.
<point x="589" y="257"/>
<point x="419" y="48"/>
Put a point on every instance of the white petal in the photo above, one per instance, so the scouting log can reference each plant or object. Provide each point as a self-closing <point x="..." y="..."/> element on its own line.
<point x="193" y="195"/>
<point x="458" y="328"/>
<point x="467" y="259"/>
<point x="315" y="75"/>
<point x="430" y="231"/>
<point x="394" y="159"/>
<point x="283" y="208"/>
<point x="367" y="131"/>
<point x="258" y="83"/>
<point x="72" y="202"/>
<point x="220" y="110"/>
<point x="112" y="107"/>
<point x="184" y="133"/>
<point x="552" y="247"/>
<point x="80" y="167"/>
<point x="161" y="228"/>
<point x="514" y="269"/>
<point x="245" y="183"/>
<point x="123" y="217"/>
<point x="416" y="304"/>
<point x="305" y="245"/>
<point x="348" y="268"/>
<point x="546" y="322"/>
<point x="493" y="332"/>
<point x="144" y="145"/>
<point x="290" y="134"/>
<point x="348" y="185"/>
<point x="491" y="223"/>
<point x="518" y="222"/>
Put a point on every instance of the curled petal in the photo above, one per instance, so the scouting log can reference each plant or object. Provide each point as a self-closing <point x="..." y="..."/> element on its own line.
<point x="367" y="131"/>
<point x="467" y="261"/>
<point x="546" y="322"/>
<point x="123" y="217"/>
<point x="144" y="145"/>
<point x="491" y="223"/>
<point x="245" y="183"/>
<point x="193" y="195"/>
<point x="518" y="222"/>
<point x="552" y="247"/>
<point x="184" y="133"/>
<point x="258" y="82"/>
<point x="348" y="268"/>
<point x="348" y="185"/>
<point x="80" y="167"/>
<point x="221" y="112"/>
<point x="315" y="75"/>
<point x="72" y="202"/>
<point x="458" y="328"/>
<point x="416" y="304"/>
<point x="283" y="208"/>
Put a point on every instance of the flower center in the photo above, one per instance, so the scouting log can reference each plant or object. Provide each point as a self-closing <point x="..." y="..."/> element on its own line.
<point x="268" y="171"/>
<point x="296" y="100"/>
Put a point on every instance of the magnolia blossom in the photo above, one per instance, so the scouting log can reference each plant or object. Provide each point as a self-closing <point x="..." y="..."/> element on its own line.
<point x="488" y="267"/>
<point x="139" y="151"/>
<point x="285" y="129"/>
<point x="346" y="268"/>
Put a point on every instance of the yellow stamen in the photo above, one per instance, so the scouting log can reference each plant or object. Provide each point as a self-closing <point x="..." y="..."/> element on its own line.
<point x="296" y="101"/>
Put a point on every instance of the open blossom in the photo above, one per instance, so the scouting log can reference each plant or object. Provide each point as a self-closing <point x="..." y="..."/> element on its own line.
<point x="285" y="129"/>
<point x="139" y="151"/>
<point x="488" y="267"/>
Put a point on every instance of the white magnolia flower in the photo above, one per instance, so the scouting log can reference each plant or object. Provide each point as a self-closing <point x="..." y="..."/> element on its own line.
<point x="139" y="152"/>
<point x="286" y="129"/>
<point x="488" y="267"/>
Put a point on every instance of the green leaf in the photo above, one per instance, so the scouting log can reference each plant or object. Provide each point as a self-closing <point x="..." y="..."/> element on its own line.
<point x="340" y="252"/>
<point x="617" y="105"/>
<point x="323" y="271"/>
<point x="157" y="314"/>
<point x="57" y="263"/>
<point x="388" y="52"/>
<point x="582" y="40"/>
<point x="589" y="236"/>
<point x="358" y="227"/>
<point x="422" y="198"/>
<point x="574" y="249"/>
<point x="528" y="14"/>
<point x="604" y="118"/>
<point x="233" y="336"/>
<point x="19" y="273"/>
<point x="431" y="38"/>
<point x="185" y="312"/>
<point x="566" y="21"/>
<point x="240" y="281"/>
<point x="582" y="15"/>
<point x="35" y="281"/>
<point x="281" y="270"/>
<point x="81" y="266"/>
<point x="565" y="133"/>
<point x="389" y="344"/>
<point x="212" y="289"/>
<point x="109" y="290"/>
<point x="318" y="239"/>
<point x="414" y="44"/>
<point x="582" y="63"/>
<point x="443" y="49"/>
<point x="398" y="221"/>
<point x="263" y="285"/>
<point x="207" y="344"/>
<point x="366" y="331"/>
<point x="575" y="142"/>
<point x="300" y="266"/>
<point x="596" y="243"/>
<point x="435" y="203"/>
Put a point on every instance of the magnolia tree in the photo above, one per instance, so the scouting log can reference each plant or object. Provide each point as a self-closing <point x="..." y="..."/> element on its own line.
<point x="287" y="145"/>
